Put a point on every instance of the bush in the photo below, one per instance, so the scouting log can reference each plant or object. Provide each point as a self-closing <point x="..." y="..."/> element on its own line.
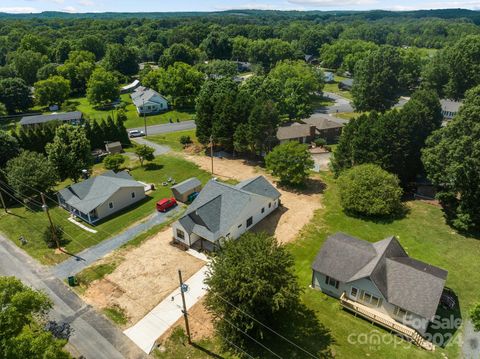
<point x="113" y="162"/>
<point x="185" y="140"/>
<point x="48" y="236"/>
<point x="320" y="142"/>
<point x="369" y="190"/>
<point x="475" y="317"/>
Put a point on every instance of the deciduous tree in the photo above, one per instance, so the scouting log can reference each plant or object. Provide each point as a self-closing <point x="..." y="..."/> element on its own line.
<point x="53" y="91"/>
<point x="113" y="161"/>
<point x="102" y="87"/>
<point x="15" y="94"/>
<point x="144" y="153"/>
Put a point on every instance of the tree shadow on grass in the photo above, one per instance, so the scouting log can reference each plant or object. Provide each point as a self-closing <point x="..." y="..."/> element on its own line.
<point x="311" y="186"/>
<point x="400" y="213"/>
<point x="153" y="166"/>
<point x="300" y="326"/>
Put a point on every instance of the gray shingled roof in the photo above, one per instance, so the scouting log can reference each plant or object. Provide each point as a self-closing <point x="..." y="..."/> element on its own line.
<point x="187" y="185"/>
<point x="143" y="94"/>
<point x="403" y="281"/>
<point x="91" y="193"/>
<point x="64" y="116"/>
<point x="295" y="130"/>
<point x="450" y="105"/>
<point x="216" y="208"/>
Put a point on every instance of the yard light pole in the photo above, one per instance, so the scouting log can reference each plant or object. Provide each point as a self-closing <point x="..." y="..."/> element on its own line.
<point x="53" y="229"/>
<point x="3" y="202"/>
<point x="183" y="289"/>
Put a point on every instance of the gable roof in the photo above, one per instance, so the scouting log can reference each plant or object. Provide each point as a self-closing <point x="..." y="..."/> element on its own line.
<point x="215" y="210"/>
<point x="64" y="116"/>
<point x="91" y="193"/>
<point x="144" y="94"/>
<point x="187" y="185"/>
<point x="403" y="281"/>
<point x="322" y="123"/>
<point x="295" y="130"/>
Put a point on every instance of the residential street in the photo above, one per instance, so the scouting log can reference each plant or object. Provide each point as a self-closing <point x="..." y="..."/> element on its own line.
<point x="93" y="336"/>
<point x="85" y="258"/>
<point x="168" y="127"/>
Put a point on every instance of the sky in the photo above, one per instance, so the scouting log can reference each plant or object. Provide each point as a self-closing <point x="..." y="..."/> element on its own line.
<point x="32" y="6"/>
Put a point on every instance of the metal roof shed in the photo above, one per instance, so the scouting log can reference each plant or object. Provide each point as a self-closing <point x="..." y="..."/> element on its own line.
<point x="182" y="190"/>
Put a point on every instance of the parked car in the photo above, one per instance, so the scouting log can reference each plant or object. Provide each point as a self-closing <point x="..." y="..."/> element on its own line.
<point x="136" y="133"/>
<point x="165" y="204"/>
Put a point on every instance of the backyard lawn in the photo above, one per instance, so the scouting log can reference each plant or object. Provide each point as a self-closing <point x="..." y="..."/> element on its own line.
<point x="424" y="235"/>
<point x="133" y="118"/>
<point x="32" y="223"/>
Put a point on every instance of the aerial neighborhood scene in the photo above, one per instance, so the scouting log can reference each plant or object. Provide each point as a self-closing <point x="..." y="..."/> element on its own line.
<point x="288" y="179"/>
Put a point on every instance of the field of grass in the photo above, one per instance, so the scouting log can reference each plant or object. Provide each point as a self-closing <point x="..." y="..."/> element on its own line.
<point x="333" y="87"/>
<point x="424" y="235"/>
<point x="173" y="139"/>
<point x="133" y="118"/>
<point x="31" y="223"/>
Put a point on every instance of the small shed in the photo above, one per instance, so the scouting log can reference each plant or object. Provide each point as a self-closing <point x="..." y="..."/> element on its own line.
<point x="182" y="191"/>
<point x="114" y="147"/>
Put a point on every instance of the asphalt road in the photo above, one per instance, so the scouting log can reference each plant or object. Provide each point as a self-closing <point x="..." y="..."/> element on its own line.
<point x="93" y="336"/>
<point x="167" y="127"/>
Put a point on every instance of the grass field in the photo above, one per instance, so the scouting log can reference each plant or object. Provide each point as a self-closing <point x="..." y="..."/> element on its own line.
<point x="133" y="118"/>
<point x="32" y="223"/>
<point x="333" y="87"/>
<point x="173" y="139"/>
<point x="424" y="235"/>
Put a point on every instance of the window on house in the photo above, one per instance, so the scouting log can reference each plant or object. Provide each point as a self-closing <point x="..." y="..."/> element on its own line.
<point x="239" y="225"/>
<point x="270" y="205"/>
<point x="133" y="194"/>
<point x="353" y="292"/>
<point x="180" y="234"/>
<point x="249" y="222"/>
<point x="331" y="282"/>
<point x="368" y="298"/>
<point x="110" y="205"/>
<point x="228" y="235"/>
<point x="263" y="210"/>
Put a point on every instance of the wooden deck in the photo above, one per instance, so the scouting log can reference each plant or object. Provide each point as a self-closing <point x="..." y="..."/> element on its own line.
<point x="385" y="321"/>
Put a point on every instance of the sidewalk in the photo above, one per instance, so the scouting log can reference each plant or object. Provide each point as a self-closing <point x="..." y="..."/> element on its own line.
<point x="164" y="315"/>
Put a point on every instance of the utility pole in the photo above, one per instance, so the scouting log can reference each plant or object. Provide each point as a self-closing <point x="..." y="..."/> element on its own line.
<point x="3" y="202"/>
<point x="54" y="232"/>
<point x="144" y="118"/>
<point x="185" y="314"/>
<point x="211" y="150"/>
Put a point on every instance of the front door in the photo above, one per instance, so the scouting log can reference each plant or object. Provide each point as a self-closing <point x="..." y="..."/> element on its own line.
<point x="353" y="293"/>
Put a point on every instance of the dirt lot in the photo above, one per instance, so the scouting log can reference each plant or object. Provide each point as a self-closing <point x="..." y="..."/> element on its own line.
<point x="144" y="278"/>
<point x="297" y="209"/>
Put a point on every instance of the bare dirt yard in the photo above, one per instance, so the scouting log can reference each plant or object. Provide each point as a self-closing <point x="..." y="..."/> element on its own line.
<point x="297" y="206"/>
<point x="146" y="275"/>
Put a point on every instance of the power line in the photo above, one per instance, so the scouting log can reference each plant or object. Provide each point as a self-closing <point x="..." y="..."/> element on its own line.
<point x="149" y="311"/>
<point x="266" y="326"/>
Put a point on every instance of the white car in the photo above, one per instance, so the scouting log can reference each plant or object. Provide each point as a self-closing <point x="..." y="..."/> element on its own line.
<point x="135" y="133"/>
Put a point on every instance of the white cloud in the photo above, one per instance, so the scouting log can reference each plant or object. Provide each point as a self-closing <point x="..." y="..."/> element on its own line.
<point x="473" y="5"/>
<point x="85" y="3"/>
<point x="333" y="3"/>
<point x="258" y="6"/>
<point x="69" y="9"/>
<point x="19" y="10"/>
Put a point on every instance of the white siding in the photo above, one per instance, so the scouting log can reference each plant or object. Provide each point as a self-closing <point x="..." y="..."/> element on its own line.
<point x="120" y="199"/>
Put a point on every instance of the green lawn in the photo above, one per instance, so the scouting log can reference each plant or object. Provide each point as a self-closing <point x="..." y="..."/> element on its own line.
<point x="173" y="139"/>
<point x="133" y="118"/>
<point x="424" y="235"/>
<point x="333" y="87"/>
<point x="32" y="223"/>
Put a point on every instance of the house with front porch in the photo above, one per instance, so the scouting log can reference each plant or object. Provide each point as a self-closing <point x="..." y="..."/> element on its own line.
<point x="222" y="211"/>
<point x="101" y="196"/>
<point x="380" y="282"/>
<point x="148" y="101"/>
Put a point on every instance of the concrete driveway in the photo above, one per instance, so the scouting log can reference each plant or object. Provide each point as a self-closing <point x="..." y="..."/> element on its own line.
<point x="159" y="149"/>
<point x="83" y="259"/>
<point x="321" y="161"/>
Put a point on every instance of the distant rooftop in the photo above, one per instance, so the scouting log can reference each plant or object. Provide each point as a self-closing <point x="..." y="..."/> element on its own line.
<point x="64" y="116"/>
